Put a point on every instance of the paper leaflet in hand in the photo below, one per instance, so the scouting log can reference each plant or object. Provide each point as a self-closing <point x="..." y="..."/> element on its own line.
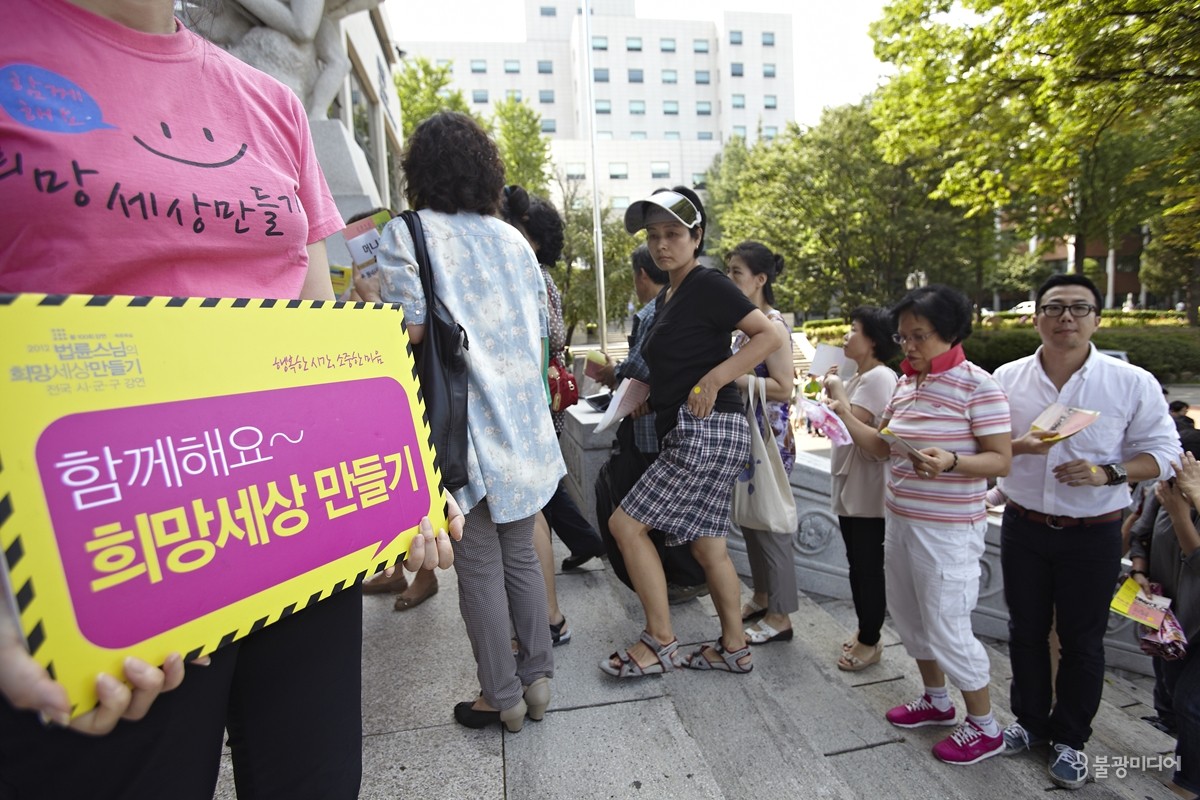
<point x="827" y="356"/>
<point x="629" y="395"/>
<point x="1130" y="601"/>
<point x="1063" y="420"/>
<point x="908" y="449"/>
<point x="826" y="422"/>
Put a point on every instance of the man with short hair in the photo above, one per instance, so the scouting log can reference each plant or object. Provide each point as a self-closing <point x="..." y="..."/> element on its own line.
<point x="1061" y="535"/>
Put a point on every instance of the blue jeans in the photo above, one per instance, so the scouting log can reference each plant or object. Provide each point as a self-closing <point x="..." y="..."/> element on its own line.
<point x="1065" y="577"/>
<point x="1178" y="689"/>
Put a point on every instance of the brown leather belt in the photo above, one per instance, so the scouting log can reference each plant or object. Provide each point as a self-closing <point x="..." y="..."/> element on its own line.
<point x="1059" y="523"/>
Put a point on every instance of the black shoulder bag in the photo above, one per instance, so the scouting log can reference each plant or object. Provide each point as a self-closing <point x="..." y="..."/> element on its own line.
<point x="441" y="361"/>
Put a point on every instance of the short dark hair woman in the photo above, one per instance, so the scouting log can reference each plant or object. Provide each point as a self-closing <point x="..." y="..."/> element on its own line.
<point x="703" y="434"/>
<point x="858" y="479"/>
<point x="487" y="277"/>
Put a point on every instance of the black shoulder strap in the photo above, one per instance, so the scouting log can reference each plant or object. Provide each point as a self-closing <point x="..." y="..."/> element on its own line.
<point x="417" y="231"/>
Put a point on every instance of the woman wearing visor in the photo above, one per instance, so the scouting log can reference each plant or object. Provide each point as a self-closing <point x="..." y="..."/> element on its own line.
<point x="702" y="433"/>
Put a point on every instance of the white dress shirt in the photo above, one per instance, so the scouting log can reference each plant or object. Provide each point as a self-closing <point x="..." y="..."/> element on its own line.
<point x="1133" y="419"/>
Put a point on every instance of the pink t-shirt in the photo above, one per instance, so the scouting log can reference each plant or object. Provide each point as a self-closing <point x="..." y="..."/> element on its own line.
<point x="133" y="163"/>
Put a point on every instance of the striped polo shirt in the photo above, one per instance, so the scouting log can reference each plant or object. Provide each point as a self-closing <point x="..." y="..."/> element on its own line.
<point x="955" y="404"/>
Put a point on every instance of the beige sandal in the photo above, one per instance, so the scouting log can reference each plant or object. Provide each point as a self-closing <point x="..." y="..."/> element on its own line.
<point x="852" y="663"/>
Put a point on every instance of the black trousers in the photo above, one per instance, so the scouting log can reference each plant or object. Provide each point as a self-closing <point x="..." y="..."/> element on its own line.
<point x="1065" y="577"/>
<point x="565" y="519"/>
<point x="864" y="553"/>
<point x="290" y="696"/>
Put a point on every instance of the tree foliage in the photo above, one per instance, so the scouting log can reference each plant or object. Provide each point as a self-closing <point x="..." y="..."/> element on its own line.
<point x="523" y="148"/>
<point x="424" y="89"/>
<point x="850" y="225"/>
<point x="1060" y="113"/>
<point x="575" y="273"/>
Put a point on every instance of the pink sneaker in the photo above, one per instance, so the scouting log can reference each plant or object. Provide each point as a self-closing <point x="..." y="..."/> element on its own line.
<point x="968" y="745"/>
<point x="919" y="713"/>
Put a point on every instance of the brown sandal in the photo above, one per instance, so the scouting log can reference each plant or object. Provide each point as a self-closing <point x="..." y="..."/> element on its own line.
<point x="852" y="663"/>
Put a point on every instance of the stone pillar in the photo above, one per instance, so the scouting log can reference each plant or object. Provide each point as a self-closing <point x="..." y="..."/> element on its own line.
<point x="585" y="451"/>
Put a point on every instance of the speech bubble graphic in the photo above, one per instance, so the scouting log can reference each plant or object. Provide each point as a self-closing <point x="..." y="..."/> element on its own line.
<point x="315" y="439"/>
<point x="46" y="101"/>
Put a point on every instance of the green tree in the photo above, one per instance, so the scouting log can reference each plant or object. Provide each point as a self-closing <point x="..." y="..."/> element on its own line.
<point x="424" y="90"/>
<point x="523" y="148"/>
<point x="1046" y="110"/>
<point x="850" y="225"/>
<point x="723" y="181"/>
<point x="575" y="274"/>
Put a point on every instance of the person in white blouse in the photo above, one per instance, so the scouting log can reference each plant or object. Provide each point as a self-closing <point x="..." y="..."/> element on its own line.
<point x="1061" y="535"/>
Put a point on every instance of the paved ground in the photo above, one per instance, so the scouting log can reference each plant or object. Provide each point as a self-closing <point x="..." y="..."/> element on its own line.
<point x="794" y="728"/>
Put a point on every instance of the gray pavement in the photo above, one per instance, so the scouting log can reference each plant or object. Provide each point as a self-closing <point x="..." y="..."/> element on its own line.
<point x="795" y="727"/>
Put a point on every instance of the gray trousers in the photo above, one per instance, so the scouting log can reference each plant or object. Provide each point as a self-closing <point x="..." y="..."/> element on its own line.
<point x="772" y="570"/>
<point x="499" y="579"/>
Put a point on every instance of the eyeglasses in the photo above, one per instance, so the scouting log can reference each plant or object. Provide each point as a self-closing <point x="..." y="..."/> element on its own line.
<point x="1077" y="309"/>
<point x="916" y="338"/>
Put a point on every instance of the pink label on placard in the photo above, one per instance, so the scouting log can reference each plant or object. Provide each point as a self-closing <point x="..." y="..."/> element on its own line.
<point x="167" y="512"/>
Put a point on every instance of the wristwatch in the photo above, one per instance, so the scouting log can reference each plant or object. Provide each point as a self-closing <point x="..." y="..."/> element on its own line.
<point x="1116" y="474"/>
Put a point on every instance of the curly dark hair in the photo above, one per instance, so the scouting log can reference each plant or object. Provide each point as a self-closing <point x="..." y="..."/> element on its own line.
<point x="876" y="324"/>
<point x="450" y="164"/>
<point x="762" y="261"/>
<point x="948" y="311"/>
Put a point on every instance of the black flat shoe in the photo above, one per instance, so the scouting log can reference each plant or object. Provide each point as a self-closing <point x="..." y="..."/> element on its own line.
<point x="470" y="717"/>
<point x="575" y="562"/>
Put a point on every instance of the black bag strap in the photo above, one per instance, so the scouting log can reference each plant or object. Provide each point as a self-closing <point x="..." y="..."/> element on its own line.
<point x="417" y="231"/>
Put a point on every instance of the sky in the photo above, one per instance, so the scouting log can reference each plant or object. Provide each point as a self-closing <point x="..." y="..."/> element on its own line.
<point x="832" y="48"/>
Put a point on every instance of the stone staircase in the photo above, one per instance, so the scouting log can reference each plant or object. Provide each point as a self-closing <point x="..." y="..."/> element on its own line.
<point x="796" y="727"/>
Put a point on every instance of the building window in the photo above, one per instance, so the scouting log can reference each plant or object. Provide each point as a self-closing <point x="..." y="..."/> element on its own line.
<point x="705" y="136"/>
<point x="479" y="96"/>
<point x="445" y="62"/>
<point x="738" y="101"/>
<point x="513" y="94"/>
<point x="548" y="11"/>
<point x="703" y="76"/>
<point x="666" y="45"/>
<point x="549" y="125"/>
<point x="545" y="68"/>
<point x="700" y="46"/>
<point x="478" y="66"/>
<point x="633" y="44"/>
<point x="737" y="69"/>
<point x="660" y="169"/>
<point x="599" y="42"/>
<point x="704" y="108"/>
<point x="637" y="135"/>
<point x="770" y="101"/>
<point x="618" y="170"/>
<point x="768" y="39"/>
<point x="671" y="136"/>
<point x="770" y="132"/>
<point x="604" y="135"/>
<point x="768" y="70"/>
<point x="637" y="107"/>
<point x="576" y="171"/>
<point x="735" y="37"/>
<point x="545" y="95"/>
<point x="620" y="203"/>
<point x="603" y="106"/>
<point x="670" y="106"/>
<point x="670" y="76"/>
<point x="739" y="130"/>
<point x="512" y="66"/>
<point x="698" y="178"/>
<point x="600" y="74"/>
<point x="636" y="76"/>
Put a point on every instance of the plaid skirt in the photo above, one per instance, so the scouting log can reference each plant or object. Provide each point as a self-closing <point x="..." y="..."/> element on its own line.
<point x="687" y="491"/>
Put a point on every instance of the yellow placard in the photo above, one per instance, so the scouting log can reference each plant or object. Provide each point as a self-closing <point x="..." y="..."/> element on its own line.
<point x="177" y="473"/>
